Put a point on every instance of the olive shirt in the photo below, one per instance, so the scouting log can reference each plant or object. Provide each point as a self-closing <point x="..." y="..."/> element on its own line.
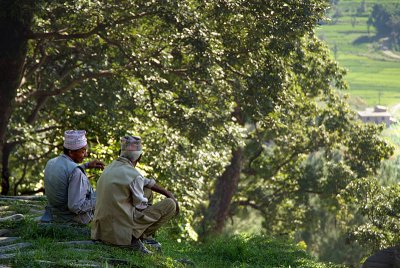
<point x="119" y="199"/>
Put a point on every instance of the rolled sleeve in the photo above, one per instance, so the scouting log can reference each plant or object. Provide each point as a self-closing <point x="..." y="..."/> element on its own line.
<point x="148" y="182"/>
<point x="136" y="187"/>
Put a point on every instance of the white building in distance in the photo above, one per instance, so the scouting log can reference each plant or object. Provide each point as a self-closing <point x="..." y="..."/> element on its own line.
<point x="379" y="114"/>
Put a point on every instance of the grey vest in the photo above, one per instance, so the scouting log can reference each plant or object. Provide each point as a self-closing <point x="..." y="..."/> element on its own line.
<point x="56" y="179"/>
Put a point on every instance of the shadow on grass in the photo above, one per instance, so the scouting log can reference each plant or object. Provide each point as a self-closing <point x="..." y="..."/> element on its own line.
<point x="365" y="39"/>
<point x="30" y="229"/>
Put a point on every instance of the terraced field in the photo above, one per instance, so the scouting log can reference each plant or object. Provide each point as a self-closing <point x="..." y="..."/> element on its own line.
<point x="373" y="72"/>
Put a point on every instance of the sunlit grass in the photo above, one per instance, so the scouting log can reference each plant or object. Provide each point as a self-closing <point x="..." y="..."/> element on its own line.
<point x="219" y="251"/>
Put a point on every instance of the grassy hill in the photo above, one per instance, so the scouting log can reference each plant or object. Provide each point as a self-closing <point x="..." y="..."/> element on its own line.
<point x="373" y="72"/>
<point x="26" y="243"/>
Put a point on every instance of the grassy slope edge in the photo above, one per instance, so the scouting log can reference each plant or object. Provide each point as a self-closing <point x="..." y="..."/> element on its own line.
<point x="45" y="249"/>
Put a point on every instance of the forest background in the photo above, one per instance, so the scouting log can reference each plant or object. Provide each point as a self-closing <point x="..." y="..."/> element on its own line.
<point x="242" y="109"/>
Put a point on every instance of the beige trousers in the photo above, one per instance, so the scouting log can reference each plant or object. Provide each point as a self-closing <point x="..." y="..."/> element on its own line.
<point x="149" y="220"/>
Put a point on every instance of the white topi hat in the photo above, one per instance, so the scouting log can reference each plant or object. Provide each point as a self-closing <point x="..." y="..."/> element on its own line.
<point x="75" y="139"/>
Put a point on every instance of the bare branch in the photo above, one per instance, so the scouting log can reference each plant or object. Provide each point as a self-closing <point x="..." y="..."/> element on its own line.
<point x="124" y="20"/>
<point x="60" y="35"/>
<point x="21" y="179"/>
<point x="151" y="94"/>
<point x="115" y="43"/>
<point x="291" y="157"/>
<point x="71" y="85"/>
<point x="47" y="129"/>
<point x="79" y="80"/>
<point x="42" y="95"/>
<point x="35" y="67"/>
<point x="30" y="192"/>
<point x="45" y="154"/>
<point x="317" y="192"/>
<point x="233" y="70"/>
<point x="39" y="105"/>
<point x="63" y="36"/>
<point x="254" y="157"/>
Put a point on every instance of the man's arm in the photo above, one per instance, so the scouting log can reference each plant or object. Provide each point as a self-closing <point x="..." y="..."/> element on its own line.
<point x="78" y="189"/>
<point x="159" y="189"/>
<point x="94" y="164"/>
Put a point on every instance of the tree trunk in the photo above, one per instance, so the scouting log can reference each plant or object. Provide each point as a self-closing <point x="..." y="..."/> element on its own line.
<point x="5" y="171"/>
<point x="218" y="209"/>
<point x="226" y="186"/>
<point x="15" y="22"/>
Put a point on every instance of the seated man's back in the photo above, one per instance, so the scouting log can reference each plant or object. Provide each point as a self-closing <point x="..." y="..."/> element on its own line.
<point x="56" y="180"/>
<point x="70" y="196"/>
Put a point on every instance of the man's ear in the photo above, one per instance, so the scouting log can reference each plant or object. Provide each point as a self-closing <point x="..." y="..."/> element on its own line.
<point x="69" y="153"/>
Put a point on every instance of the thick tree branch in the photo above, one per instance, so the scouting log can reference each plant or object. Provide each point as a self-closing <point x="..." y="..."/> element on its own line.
<point x="248" y="203"/>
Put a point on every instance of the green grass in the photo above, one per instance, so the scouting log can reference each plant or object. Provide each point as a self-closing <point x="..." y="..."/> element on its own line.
<point x="250" y="251"/>
<point x="222" y="251"/>
<point x="372" y="75"/>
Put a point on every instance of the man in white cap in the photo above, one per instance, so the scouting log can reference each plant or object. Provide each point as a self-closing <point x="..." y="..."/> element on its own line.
<point x="124" y="214"/>
<point x="71" y="198"/>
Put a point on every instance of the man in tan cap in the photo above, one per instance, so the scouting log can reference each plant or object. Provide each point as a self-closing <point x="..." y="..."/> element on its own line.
<point x="71" y="198"/>
<point x="124" y="214"/>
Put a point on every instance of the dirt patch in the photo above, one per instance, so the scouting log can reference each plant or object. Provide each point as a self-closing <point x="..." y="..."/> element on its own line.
<point x="391" y="55"/>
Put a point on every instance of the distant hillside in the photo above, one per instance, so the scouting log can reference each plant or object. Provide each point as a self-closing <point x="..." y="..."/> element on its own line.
<point x="373" y="71"/>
